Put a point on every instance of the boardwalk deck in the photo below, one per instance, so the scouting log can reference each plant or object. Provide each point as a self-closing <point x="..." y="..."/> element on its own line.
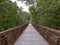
<point x="31" y="37"/>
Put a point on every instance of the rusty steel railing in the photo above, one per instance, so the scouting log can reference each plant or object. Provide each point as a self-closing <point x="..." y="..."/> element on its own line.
<point x="9" y="36"/>
<point x="52" y="36"/>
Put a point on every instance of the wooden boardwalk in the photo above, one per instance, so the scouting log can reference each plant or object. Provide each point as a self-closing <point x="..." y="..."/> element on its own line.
<point x="31" y="37"/>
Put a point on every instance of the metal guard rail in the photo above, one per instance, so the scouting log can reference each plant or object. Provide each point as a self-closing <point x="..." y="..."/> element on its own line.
<point x="52" y="36"/>
<point x="10" y="36"/>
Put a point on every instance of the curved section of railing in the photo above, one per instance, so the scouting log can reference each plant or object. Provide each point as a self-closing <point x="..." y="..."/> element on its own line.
<point x="9" y="36"/>
<point x="52" y="36"/>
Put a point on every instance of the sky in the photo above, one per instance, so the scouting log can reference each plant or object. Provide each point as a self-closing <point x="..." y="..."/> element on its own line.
<point x="20" y="4"/>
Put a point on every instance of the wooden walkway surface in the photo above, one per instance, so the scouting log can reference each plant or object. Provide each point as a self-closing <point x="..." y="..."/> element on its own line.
<point x="30" y="36"/>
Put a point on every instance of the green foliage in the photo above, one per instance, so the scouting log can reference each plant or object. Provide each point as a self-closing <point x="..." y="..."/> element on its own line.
<point x="47" y="13"/>
<point x="10" y="15"/>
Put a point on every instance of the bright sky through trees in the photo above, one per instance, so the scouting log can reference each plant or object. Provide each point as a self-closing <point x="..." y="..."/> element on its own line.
<point x="20" y="4"/>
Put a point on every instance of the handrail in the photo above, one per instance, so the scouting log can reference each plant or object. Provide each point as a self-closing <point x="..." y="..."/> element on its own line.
<point x="52" y="36"/>
<point x="57" y="32"/>
<point x="9" y="30"/>
<point x="9" y="37"/>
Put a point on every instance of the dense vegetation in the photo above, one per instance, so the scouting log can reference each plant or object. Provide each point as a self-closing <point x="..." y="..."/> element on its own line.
<point x="11" y="15"/>
<point x="42" y="12"/>
<point x="47" y="13"/>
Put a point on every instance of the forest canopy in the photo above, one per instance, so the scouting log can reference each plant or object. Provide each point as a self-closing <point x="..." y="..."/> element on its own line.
<point x="42" y="12"/>
<point x="45" y="12"/>
<point x="11" y="15"/>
